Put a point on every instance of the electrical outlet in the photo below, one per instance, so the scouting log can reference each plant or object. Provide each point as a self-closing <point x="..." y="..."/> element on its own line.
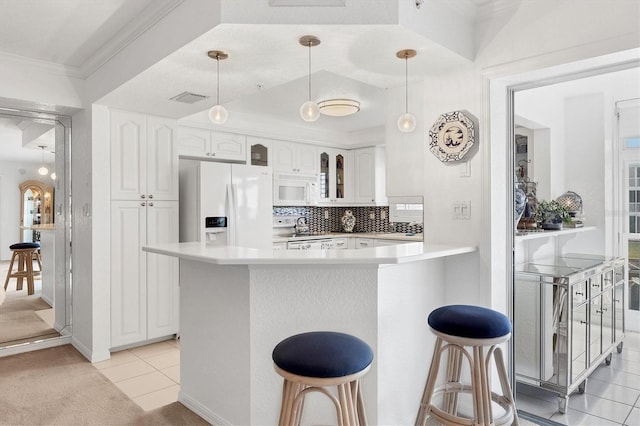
<point x="372" y="215"/>
<point x="383" y="214"/>
<point x="326" y="214"/>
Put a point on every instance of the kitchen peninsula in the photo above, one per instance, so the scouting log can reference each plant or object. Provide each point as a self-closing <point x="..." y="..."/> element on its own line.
<point x="237" y="303"/>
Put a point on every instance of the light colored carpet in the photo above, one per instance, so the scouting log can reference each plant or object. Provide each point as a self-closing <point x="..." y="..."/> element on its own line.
<point x="58" y="386"/>
<point x="18" y="320"/>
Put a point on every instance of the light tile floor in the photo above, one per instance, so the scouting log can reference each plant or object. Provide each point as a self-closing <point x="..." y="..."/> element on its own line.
<point x="149" y="375"/>
<point x="612" y="395"/>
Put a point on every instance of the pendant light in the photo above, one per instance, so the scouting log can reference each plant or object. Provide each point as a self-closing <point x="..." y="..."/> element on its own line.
<point x="42" y="170"/>
<point x="407" y="121"/>
<point x="218" y="114"/>
<point x="309" y="110"/>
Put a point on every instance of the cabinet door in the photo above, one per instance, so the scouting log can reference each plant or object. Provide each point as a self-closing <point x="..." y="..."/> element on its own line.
<point x="306" y="159"/>
<point x="162" y="159"/>
<point x="228" y="146"/>
<point x="162" y="271"/>
<point x="128" y="273"/>
<point x="618" y="306"/>
<point x="595" y="328"/>
<point x="333" y="166"/>
<point x="578" y="344"/>
<point x="364" y="162"/>
<point x="260" y="151"/>
<point x="194" y="142"/>
<point x="284" y="156"/>
<point x="364" y="243"/>
<point x="607" y="318"/>
<point x="128" y="165"/>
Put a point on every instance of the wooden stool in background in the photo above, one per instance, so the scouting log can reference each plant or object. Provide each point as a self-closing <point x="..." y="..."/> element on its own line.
<point x="25" y="253"/>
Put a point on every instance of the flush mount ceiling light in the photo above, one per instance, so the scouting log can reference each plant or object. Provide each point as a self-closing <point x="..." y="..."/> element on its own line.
<point x="42" y="170"/>
<point x="407" y="121"/>
<point x="218" y="114"/>
<point x="309" y="110"/>
<point x="339" y="107"/>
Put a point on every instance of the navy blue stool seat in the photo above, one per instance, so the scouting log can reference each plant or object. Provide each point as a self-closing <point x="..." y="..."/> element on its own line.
<point x="314" y="361"/>
<point x="25" y="253"/>
<point x="470" y="333"/>
<point x="20" y="246"/>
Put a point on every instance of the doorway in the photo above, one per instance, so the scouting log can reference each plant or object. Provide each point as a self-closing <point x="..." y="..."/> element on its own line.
<point x="35" y="182"/>
<point x="574" y="149"/>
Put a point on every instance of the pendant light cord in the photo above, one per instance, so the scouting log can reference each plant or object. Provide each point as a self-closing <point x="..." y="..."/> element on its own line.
<point x="406" y="83"/>
<point x="309" y="70"/>
<point x="218" y="75"/>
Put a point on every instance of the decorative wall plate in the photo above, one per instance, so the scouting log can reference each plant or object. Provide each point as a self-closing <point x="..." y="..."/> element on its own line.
<point x="453" y="135"/>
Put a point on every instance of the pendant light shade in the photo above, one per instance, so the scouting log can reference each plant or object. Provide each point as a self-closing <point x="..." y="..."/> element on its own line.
<point x="218" y="114"/>
<point x="43" y="169"/>
<point x="407" y="121"/>
<point x="309" y="110"/>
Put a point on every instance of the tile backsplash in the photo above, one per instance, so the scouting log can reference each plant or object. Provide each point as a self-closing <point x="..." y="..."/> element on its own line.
<point x="328" y="219"/>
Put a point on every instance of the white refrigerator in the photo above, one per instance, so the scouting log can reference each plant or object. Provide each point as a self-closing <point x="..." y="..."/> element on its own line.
<point x="226" y="204"/>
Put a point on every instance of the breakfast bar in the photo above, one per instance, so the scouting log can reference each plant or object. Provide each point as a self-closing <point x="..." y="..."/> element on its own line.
<point x="237" y="303"/>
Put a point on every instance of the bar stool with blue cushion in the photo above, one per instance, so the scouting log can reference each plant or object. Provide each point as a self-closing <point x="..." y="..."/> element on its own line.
<point x="314" y="361"/>
<point x="472" y="333"/>
<point x="25" y="253"/>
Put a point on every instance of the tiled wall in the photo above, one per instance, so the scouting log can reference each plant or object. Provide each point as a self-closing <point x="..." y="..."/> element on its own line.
<point x="318" y="223"/>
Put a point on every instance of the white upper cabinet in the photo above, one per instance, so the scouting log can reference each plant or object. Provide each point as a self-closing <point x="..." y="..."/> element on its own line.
<point x="335" y="186"/>
<point x="369" y="175"/>
<point x="211" y="145"/>
<point x="144" y="159"/>
<point x="294" y="157"/>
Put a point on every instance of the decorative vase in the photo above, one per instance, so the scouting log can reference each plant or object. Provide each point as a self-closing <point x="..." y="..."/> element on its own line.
<point x="348" y="221"/>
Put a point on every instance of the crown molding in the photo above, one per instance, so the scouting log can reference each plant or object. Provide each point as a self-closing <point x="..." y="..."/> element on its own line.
<point x="150" y="16"/>
<point x="46" y="66"/>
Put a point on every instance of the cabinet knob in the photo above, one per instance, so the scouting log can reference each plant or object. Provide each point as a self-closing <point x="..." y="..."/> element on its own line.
<point x="150" y="195"/>
<point x="143" y="204"/>
<point x="583" y="322"/>
<point x="578" y="293"/>
<point x="213" y="154"/>
<point x="150" y="204"/>
<point x="142" y="196"/>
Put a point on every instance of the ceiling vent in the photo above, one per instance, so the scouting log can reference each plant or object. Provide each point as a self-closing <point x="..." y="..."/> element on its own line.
<point x="188" y="97"/>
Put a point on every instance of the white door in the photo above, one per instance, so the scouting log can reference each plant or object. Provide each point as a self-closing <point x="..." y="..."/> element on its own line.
<point x="162" y="271"/>
<point x="128" y="273"/>
<point x="128" y="165"/>
<point x="629" y="144"/>
<point x="162" y="159"/>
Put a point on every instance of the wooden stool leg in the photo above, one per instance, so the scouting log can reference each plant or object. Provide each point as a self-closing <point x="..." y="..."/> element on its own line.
<point x="504" y="383"/>
<point x="38" y="259"/>
<point x="21" y="265"/>
<point x="6" y="281"/>
<point x="29" y="261"/>
<point x="423" y="411"/>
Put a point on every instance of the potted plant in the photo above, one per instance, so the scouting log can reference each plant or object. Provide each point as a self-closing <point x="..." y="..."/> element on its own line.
<point x="550" y="215"/>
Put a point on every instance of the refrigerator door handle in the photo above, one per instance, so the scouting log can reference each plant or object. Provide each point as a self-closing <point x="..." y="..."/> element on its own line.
<point x="308" y="194"/>
<point x="233" y="213"/>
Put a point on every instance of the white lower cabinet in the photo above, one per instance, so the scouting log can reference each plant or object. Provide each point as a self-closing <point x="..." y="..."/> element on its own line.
<point x="144" y="286"/>
<point x="363" y="243"/>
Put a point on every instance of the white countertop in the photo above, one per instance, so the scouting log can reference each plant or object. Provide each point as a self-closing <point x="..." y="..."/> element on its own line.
<point x="379" y="235"/>
<point x="232" y="255"/>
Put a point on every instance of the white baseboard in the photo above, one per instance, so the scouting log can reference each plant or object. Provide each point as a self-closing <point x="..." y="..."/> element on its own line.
<point x="201" y="410"/>
<point x="88" y="353"/>
<point x="34" y="346"/>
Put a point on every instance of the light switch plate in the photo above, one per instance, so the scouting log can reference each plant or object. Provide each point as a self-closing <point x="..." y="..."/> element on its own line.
<point x="462" y="210"/>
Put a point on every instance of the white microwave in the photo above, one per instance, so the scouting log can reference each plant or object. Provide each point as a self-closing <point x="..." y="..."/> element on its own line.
<point x="295" y="189"/>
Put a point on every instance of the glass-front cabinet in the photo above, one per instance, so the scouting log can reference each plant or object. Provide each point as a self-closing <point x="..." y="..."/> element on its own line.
<point x="36" y="209"/>
<point x="334" y="175"/>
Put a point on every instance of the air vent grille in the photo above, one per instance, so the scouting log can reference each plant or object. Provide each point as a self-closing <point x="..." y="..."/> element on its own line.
<point x="188" y="97"/>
